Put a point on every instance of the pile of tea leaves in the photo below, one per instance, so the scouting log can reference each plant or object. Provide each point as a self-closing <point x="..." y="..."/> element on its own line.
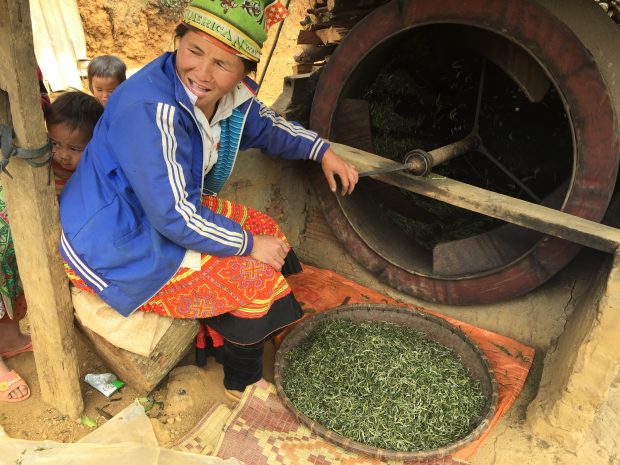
<point x="424" y="96"/>
<point x="383" y="385"/>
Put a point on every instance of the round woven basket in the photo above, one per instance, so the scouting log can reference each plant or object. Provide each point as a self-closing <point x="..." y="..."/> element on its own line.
<point x="435" y="329"/>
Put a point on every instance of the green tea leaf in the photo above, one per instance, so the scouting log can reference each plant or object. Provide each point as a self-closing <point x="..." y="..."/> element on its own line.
<point x="383" y="385"/>
<point x="87" y="421"/>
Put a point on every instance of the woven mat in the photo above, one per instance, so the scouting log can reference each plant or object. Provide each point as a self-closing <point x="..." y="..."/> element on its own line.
<point x="261" y="431"/>
<point x="205" y="436"/>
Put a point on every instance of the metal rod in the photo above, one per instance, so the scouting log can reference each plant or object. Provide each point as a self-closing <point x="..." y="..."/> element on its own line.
<point x="474" y="128"/>
<point x="453" y="150"/>
<point x="482" y="149"/>
<point x="420" y="162"/>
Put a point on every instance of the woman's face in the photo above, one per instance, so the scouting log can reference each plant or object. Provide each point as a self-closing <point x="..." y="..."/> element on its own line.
<point x="206" y="70"/>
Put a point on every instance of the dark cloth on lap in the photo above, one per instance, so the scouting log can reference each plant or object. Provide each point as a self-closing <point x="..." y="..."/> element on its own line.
<point x="243" y="364"/>
<point x="246" y="331"/>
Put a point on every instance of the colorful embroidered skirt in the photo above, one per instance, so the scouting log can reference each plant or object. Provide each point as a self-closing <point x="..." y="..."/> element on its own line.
<point x="241" y="298"/>
<point x="10" y="284"/>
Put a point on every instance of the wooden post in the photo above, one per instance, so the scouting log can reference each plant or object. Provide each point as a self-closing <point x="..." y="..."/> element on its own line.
<point x="33" y="213"/>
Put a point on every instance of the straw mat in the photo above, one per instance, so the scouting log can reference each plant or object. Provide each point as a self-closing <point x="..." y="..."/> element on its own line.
<point x="261" y="431"/>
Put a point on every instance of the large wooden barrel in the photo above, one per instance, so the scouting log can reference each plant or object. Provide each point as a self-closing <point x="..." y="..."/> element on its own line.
<point x="570" y="43"/>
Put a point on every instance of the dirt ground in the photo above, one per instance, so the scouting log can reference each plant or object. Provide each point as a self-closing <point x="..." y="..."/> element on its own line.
<point x="178" y="403"/>
<point x="138" y="33"/>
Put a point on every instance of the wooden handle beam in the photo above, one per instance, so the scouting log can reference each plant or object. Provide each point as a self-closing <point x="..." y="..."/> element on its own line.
<point x="529" y="215"/>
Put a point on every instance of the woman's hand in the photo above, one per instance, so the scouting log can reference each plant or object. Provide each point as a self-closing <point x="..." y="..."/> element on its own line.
<point x="270" y="250"/>
<point x="332" y="165"/>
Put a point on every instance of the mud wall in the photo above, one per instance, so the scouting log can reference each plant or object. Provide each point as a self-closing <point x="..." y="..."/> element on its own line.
<point x="136" y="31"/>
<point x="580" y="369"/>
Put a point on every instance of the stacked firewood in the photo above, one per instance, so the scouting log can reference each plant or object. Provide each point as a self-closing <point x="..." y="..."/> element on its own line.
<point x="612" y="8"/>
<point x="326" y="23"/>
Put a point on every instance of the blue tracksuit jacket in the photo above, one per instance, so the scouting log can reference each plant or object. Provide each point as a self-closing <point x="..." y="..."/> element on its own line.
<point x="133" y="206"/>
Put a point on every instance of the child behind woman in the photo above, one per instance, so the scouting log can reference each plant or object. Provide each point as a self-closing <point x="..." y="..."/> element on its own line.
<point x="71" y="120"/>
<point x="105" y="73"/>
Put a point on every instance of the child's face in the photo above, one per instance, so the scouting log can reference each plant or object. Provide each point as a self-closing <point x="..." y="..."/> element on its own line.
<point x="67" y="145"/>
<point x="102" y="87"/>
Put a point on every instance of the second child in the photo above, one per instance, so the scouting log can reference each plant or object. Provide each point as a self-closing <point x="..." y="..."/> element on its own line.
<point x="105" y="73"/>
<point x="71" y="120"/>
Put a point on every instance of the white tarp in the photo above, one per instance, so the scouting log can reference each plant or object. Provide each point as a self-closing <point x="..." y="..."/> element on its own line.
<point x="128" y="438"/>
<point x="59" y="42"/>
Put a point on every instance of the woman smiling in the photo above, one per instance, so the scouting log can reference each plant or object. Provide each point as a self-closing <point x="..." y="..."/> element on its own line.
<point x="143" y="226"/>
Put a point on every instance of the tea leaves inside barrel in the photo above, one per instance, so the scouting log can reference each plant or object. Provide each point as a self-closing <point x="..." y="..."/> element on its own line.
<point x="382" y="385"/>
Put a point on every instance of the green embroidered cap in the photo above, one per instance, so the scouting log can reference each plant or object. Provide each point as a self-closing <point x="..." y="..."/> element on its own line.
<point x="239" y="24"/>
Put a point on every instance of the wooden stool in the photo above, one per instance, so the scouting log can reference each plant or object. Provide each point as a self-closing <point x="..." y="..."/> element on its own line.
<point x="144" y="373"/>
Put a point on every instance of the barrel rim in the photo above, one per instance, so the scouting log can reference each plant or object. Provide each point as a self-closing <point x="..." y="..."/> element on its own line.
<point x="575" y="72"/>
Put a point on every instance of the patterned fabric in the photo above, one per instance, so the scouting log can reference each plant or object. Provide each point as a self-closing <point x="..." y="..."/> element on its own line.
<point x="10" y="284"/>
<point x="262" y="431"/>
<point x="227" y="151"/>
<point x="240" y="25"/>
<point x="204" y="437"/>
<point x="240" y="286"/>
